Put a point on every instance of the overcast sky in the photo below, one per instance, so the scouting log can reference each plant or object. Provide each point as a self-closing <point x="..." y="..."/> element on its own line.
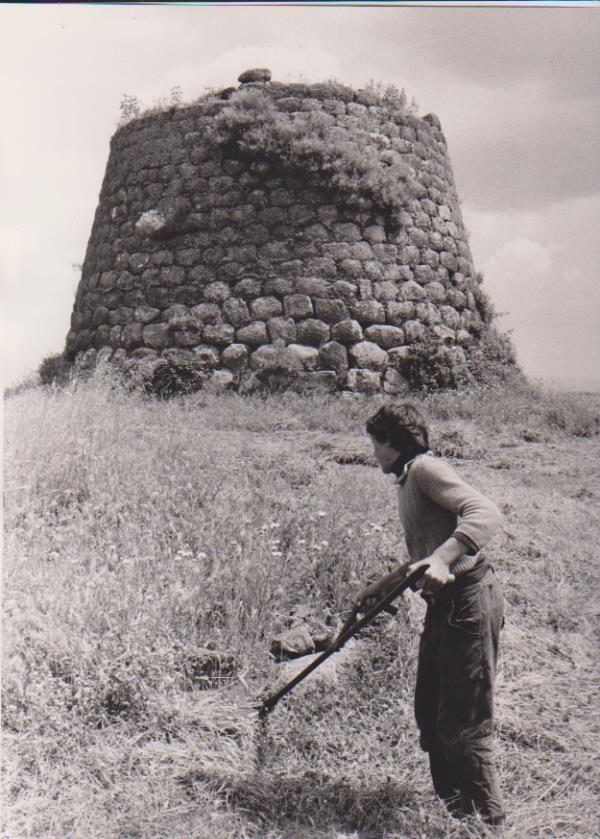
<point x="516" y="90"/>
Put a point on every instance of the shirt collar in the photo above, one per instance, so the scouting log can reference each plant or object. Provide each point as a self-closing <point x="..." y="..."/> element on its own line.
<point x="401" y="479"/>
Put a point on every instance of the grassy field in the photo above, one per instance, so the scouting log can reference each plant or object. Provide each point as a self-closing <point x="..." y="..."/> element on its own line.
<point x="152" y="549"/>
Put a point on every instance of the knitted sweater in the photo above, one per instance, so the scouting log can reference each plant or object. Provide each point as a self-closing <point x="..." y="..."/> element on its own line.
<point x="435" y="503"/>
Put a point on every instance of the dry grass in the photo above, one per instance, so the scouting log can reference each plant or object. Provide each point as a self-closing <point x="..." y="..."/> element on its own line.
<point x="139" y="534"/>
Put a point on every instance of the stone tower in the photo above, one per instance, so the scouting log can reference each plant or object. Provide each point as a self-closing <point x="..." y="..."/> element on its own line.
<point x="240" y="258"/>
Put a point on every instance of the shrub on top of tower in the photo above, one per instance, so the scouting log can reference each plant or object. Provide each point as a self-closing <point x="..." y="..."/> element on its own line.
<point x="358" y="164"/>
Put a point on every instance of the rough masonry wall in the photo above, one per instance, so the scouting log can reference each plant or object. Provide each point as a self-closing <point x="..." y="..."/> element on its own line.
<point x="198" y="252"/>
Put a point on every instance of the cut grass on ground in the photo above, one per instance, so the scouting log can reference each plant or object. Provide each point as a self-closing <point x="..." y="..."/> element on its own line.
<point x="139" y="535"/>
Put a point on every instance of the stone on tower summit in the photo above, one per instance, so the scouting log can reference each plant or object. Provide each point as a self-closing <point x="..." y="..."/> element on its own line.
<point x="259" y="74"/>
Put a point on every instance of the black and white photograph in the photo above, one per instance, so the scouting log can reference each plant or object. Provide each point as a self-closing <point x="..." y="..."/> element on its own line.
<point x="301" y="420"/>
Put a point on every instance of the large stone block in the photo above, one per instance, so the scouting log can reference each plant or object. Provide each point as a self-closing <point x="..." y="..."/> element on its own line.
<point x="333" y="356"/>
<point x="263" y="308"/>
<point x="331" y="311"/>
<point x="278" y="286"/>
<point x="187" y="256"/>
<point x="350" y="268"/>
<point x="456" y="298"/>
<point x="412" y="291"/>
<point x="428" y="313"/>
<point x="254" y="334"/>
<point x="172" y="276"/>
<point x="374" y="234"/>
<point x="315" y="233"/>
<point x="347" y="232"/>
<point x="131" y="336"/>
<point x="368" y="311"/>
<point x="235" y="312"/>
<point x="206" y="312"/>
<point x="221" y="381"/>
<point x="102" y="315"/>
<point x="414" y="331"/>
<point x="300" y="214"/>
<point x="345" y="291"/>
<point x="448" y="260"/>
<point x="372" y="269"/>
<point x="450" y="316"/>
<point x="256" y="74"/>
<point x="206" y="356"/>
<point x="298" y="306"/>
<point x="188" y="295"/>
<point x="361" y="250"/>
<point x="218" y="333"/>
<point x="322" y="266"/>
<point x="179" y="316"/>
<point x="367" y="355"/>
<point x="394" y="382"/>
<point x="347" y="331"/>
<point x="410" y="255"/>
<point x="443" y="332"/>
<point x="385" y="291"/>
<point x="399" y="311"/>
<point x="363" y="381"/>
<point x="269" y="357"/>
<point x="201" y="274"/>
<point x="385" y="336"/>
<point x="398" y="356"/>
<point x="186" y="338"/>
<point x="307" y="356"/>
<point x="312" y="332"/>
<point x="217" y="292"/>
<point x="155" y="335"/>
<point x="248" y="288"/>
<point x="328" y="213"/>
<point x="313" y="286"/>
<point x="317" y="380"/>
<point x="418" y="238"/>
<point x="282" y="330"/>
<point x="435" y="292"/>
<point x="235" y="356"/>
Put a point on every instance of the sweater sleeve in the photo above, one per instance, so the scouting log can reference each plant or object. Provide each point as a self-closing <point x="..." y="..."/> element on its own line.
<point x="478" y="516"/>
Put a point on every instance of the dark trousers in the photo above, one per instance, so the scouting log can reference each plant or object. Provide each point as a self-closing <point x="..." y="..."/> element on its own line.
<point x="454" y="703"/>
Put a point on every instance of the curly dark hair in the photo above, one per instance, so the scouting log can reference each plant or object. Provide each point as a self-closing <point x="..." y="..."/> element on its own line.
<point x="400" y="424"/>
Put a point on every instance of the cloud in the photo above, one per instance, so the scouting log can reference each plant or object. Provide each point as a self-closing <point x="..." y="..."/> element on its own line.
<point x="521" y="256"/>
<point x="541" y="269"/>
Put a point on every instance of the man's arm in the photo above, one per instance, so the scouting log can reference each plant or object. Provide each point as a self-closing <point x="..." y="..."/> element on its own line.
<point x="477" y="517"/>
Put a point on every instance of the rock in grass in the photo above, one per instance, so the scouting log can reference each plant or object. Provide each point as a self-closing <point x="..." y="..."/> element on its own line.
<point x="306" y="635"/>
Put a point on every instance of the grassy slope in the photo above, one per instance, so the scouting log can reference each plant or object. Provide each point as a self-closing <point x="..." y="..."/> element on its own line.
<point x="138" y="533"/>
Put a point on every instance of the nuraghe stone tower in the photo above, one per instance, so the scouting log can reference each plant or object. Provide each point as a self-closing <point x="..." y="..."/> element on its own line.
<point x="237" y="261"/>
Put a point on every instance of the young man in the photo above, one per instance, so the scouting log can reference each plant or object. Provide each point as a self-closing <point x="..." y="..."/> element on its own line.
<point x="446" y="523"/>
